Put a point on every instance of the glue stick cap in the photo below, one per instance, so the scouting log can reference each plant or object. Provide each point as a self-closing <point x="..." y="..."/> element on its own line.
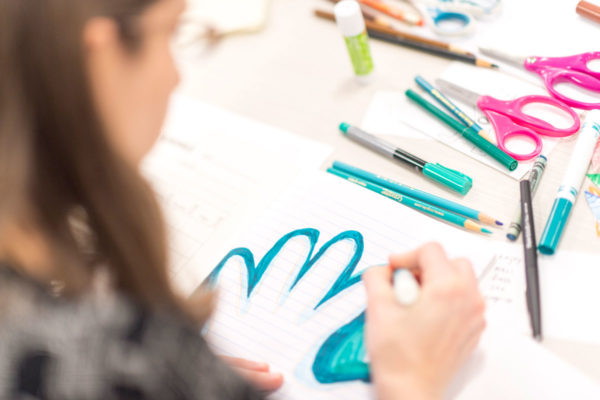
<point x="349" y="17"/>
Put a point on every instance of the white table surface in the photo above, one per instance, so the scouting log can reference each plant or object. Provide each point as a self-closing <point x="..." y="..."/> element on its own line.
<point x="296" y="75"/>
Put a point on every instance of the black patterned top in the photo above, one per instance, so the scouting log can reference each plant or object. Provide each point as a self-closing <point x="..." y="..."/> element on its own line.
<point x="102" y="346"/>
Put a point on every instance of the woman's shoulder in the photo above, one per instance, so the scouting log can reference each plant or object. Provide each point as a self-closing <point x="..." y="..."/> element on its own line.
<point x="102" y="346"/>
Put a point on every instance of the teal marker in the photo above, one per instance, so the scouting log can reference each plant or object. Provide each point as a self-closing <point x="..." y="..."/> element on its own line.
<point x="467" y="132"/>
<point x="452" y="179"/>
<point x="412" y="202"/>
<point x="572" y="181"/>
<point x="416" y="193"/>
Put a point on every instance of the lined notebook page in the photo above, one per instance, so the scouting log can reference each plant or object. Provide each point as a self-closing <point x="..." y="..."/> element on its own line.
<point x="281" y="326"/>
<point x="211" y="170"/>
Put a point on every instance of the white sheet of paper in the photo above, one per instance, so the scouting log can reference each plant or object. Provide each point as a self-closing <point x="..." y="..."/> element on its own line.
<point x="212" y="170"/>
<point x="508" y="366"/>
<point x="502" y="284"/>
<point x="569" y="293"/>
<point x="392" y="113"/>
<point x="282" y="327"/>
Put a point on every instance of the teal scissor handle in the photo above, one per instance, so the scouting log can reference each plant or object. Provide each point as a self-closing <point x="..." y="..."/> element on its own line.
<point x="461" y="23"/>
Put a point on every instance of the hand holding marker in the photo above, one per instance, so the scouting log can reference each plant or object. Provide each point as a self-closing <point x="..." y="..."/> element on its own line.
<point x="406" y="287"/>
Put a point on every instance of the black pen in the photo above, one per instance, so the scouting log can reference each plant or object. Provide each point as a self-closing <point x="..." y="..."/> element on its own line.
<point x="531" y="264"/>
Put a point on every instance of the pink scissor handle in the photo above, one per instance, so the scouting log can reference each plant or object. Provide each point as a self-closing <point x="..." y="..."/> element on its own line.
<point x="506" y="129"/>
<point x="513" y="109"/>
<point x="572" y="69"/>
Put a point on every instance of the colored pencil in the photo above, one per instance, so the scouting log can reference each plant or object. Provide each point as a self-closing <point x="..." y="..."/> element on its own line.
<point x="450" y="106"/>
<point x="413" y="203"/>
<point x="378" y="24"/>
<point x="431" y="49"/>
<point x="393" y="11"/>
<point x="589" y="11"/>
<point x="468" y="133"/>
<point x="416" y="193"/>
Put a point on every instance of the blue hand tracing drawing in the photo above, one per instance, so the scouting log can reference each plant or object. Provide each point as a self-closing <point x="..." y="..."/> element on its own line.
<point x="341" y="357"/>
<point x="256" y="272"/>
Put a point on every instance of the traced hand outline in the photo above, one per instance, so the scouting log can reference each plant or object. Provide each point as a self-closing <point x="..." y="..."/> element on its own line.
<point x="336" y="356"/>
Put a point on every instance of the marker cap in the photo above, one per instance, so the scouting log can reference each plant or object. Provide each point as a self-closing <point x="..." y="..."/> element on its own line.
<point x="349" y="17"/>
<point x="450" y="178"/>
<point x="344" y="127"/>
<point x="406" y="287"/>
<point x="555" y="225"/>
<point x="495" y="152"/>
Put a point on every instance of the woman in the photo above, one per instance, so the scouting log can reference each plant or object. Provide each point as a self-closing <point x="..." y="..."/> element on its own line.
<point x="87" y="309"/>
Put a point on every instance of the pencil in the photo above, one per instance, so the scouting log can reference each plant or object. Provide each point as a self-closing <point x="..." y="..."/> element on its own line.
<point x="394" y="12"/>
<point x="437" y="51"/>
<point x="379" y="24"/>
<point x="413" y="203"/>
<point x="589" y="11"/>
<point x="416" y="193"/>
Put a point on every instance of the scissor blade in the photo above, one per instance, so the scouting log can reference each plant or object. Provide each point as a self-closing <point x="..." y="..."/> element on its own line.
<point x="508" y="58"/>
<point x="457" y="92"/>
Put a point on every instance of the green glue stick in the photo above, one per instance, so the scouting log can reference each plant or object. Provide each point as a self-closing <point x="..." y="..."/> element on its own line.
<point x="349" y="19"/>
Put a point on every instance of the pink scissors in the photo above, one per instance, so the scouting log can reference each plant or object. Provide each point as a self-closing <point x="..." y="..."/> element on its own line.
<point x="509" y="120"/>
<point x="554" y="70"/>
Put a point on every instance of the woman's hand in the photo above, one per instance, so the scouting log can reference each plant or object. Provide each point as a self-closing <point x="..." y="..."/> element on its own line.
<point x="416" y="350"/>
<point x="257" y="373"/>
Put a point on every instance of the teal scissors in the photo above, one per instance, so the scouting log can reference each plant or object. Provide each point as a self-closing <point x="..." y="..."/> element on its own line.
<point x="509" y="120"/>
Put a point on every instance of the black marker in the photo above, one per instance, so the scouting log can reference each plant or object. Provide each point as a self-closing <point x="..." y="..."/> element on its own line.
<point x="531" y="264"/>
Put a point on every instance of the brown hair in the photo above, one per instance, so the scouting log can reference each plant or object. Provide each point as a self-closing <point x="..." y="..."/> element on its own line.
<point x="55" y="158"/>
